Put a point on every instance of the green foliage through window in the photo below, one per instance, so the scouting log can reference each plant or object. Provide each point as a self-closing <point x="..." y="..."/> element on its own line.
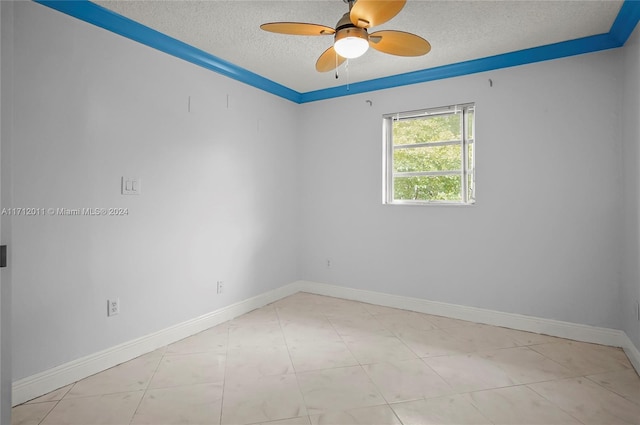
<point x="429" y="156"/>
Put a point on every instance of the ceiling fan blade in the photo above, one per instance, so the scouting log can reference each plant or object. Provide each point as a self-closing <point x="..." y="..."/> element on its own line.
<point x="297" y="28"/>
<point x="370" y="13"/>
<point x="399" y="43"/>
<point x="329" y="60"/>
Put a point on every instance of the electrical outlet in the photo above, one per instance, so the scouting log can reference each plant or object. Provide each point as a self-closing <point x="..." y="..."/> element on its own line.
<point x="113" y="307"/>
<point x="220" y="287"/>
<point x="328" y="263"/>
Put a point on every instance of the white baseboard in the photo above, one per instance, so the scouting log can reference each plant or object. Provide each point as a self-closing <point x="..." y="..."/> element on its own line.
<point x="42" y="383"/>
<point x="574" y="331"/>
<point x="633" y="353"/>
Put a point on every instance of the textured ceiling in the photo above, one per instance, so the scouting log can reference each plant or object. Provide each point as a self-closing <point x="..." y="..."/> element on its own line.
<point x="457" y="30"/>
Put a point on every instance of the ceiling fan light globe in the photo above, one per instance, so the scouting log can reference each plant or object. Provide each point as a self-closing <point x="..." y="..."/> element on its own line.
<point x="351" y="43"/>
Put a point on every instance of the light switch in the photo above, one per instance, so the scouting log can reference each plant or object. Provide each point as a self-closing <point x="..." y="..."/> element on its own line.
<point x="130" y="185"/>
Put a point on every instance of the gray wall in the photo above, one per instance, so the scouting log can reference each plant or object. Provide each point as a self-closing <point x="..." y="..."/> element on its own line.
<point x="630" y="293"/>
<point x="218" y="189"/>
<point x="543" y="237"/>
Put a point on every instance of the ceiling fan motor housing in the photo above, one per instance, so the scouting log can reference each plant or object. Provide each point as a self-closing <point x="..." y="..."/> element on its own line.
<point x="352" y="32"/>
<point x="350" y="41"/>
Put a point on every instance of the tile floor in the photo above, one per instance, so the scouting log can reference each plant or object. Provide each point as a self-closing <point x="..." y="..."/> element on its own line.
<point x="308" y="359"/>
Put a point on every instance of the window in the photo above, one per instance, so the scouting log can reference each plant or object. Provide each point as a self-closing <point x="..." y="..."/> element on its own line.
<point x="429" y="156"/>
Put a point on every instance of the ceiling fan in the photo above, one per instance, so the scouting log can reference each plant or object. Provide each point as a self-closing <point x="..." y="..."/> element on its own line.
<point x="351" y="38"/>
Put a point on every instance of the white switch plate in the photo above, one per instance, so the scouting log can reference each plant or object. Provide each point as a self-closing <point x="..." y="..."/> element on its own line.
<point x="131" y="185"/>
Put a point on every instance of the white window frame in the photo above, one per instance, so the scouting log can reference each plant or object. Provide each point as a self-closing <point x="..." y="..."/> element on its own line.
<point x="467" y="164"/>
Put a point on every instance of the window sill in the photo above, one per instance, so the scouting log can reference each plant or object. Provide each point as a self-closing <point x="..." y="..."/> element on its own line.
<point x="429" y="204"/>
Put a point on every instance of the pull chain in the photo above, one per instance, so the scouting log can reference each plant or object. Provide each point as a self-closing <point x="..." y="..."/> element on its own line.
<point x="347" y="68"/>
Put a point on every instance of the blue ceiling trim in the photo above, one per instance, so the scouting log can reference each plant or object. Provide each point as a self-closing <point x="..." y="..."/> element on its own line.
<point x="104" y="18"/>
<point x="521" y="57"/>
<point x="626" y="21"/>
<point x="87" y="11"/>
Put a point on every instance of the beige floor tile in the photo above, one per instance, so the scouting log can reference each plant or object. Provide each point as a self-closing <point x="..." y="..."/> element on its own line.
<point x="379" y="348"/>
<point x="470" y="372"/>
<point x="320" y="355"/>
<point x="583" y="358"/>
<point x="195" y="404"/>
<point x="525" y="366"/>
<point x="211" y="340"/>
<point x="133" y="375"/>
<point x="338" y="389"/>
<point x="299" y="312"/>
<point x="380" y="309"/>
<point x="483" y="337"/>
<point x="434" y="343"/>
<point x="450" y="410"/>
<point x="589" y="402"/>
<point x="259" y="361"/>
<point x="623" y="382"/>
<point x="405" y="321"/>
<point x="292" y="301"/>
<point x="112" y="409"/>
<point x="300" y="316"/>
<point x="299" y="298"/>
<point x="523" y="338"/>
<point x="346" y="310"/>
<point x="307" y="299"/>
<point x="358" y="327"/>
<point x="188" y="369"/>
<point x="31" y="413"/>
<point x="374" y="415"/>
<point x="406" y="380"/>
<point x="255" y="335"/>
<point x="446" y="323"/>
<point x="158" y="352"/>
<point x="263" y="399"/>
<point x="258" y="316"/>
<point x="337" y="304"/>
<point x="315" y="331"/>
<point x="302" y="420"/>
<point x="519" y="405"/>
<point x="53" y="395"/>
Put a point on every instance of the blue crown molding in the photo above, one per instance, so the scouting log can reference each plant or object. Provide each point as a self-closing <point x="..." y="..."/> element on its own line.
<point x="521" y="57"/>
<point x="104" y="18"/>
<point x="626" y="21"/>
<point x="87" y="11"/>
